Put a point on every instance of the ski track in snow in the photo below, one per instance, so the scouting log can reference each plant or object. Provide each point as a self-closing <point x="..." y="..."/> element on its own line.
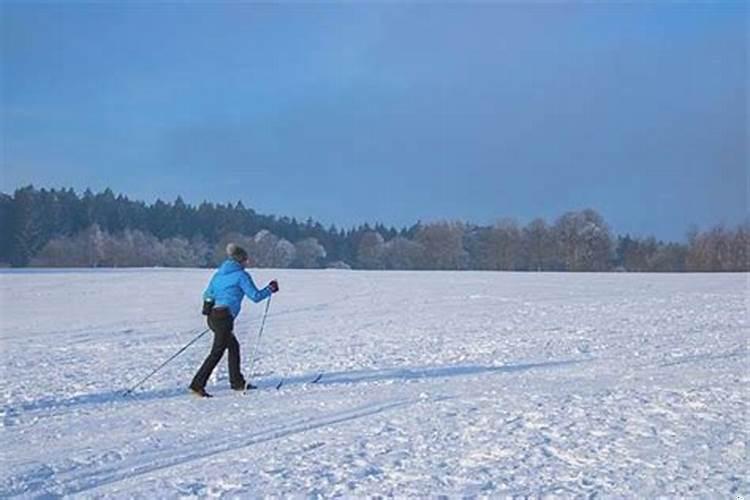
<point x="434" y="383"/>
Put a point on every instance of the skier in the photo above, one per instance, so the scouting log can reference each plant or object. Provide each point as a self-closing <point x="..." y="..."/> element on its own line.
<point x="221" y="303"/>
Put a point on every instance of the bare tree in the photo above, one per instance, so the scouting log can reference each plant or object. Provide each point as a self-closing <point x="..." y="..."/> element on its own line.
<point x="443" y="246"/>
<point x="538" y="246"/>
<point x="506" y="242"/>
<point x="740" y="248"/>
<point x="719" y="249"/>
<point x="669" y="257"/>
<point x="62" y="252"/>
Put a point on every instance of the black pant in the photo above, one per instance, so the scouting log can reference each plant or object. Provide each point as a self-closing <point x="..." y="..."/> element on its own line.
<point x="221" y="322"/>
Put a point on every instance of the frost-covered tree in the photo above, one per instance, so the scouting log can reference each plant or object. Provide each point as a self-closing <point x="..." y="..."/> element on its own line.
<point x="47" y="222"/>
<point x="95" y="242"/>
<point x="284" y="254"/>
<point x="268" y="250"/>
<point x="584" y="241"/>
<point x="263" y="248"/>
<point x="402" y="253"/>
<point x="202" y="250"/>
<point x="178" y="252"/>
<point x="135" y="248"/>
<point x="309" y="253"/>
<point x="371" y="250"/>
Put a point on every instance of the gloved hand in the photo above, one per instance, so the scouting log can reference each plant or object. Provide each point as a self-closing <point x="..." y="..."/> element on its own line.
<point x="273" y="286"/>
<point x="208" y="304"/>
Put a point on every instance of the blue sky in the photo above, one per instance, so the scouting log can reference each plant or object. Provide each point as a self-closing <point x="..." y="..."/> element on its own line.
<point x="387" y="112"/>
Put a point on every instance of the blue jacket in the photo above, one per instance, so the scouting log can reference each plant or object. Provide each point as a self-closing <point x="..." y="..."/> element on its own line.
<point x="229" y="284"/>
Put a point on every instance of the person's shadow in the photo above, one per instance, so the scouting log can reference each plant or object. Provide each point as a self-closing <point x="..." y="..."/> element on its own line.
<point x="52" y="406"/>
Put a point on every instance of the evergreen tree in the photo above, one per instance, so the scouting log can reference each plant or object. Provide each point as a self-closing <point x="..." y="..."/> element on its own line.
<point x="109" y="230"/>
<point x="6" y="229"/>
<point x="27" y="227"/>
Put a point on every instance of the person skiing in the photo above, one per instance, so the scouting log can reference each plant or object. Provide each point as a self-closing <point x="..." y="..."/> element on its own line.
<point x="221" y="303"/>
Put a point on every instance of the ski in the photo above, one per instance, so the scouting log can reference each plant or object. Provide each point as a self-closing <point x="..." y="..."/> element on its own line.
<point x="250" y="387"/>
<point x="313" y="381"/>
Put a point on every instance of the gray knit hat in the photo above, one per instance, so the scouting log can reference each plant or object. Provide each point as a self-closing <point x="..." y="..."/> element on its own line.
<point x="236" y="252"/>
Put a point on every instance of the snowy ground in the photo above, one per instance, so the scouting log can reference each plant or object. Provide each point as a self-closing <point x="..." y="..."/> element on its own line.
<point x="485" y="384"/>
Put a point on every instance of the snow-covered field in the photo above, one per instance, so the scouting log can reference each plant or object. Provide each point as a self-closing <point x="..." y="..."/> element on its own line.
<point x="464" y="384"/>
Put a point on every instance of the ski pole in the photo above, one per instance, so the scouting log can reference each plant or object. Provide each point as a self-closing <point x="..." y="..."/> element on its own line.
<point x="129" y="391"/>
<point x="283" y="377"/>
<point x="260" y="333"/>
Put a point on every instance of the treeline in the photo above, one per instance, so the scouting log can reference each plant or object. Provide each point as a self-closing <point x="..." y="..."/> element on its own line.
<point x="59" y="228"/>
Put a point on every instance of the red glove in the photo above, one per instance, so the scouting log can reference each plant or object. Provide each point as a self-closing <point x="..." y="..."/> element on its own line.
<point x="273" y="286"/>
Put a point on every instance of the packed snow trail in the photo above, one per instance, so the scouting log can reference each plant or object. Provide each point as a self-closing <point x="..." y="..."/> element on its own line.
<point x="433" y="383"/>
